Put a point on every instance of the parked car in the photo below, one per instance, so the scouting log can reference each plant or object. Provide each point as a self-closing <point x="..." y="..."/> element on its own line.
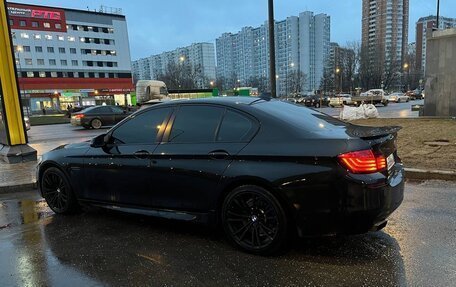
<point x="315" y="101"/>
<point x="374" y="96"/>
<point x="419" y="95"/>
<point x="398" y="97"/>
<point x="98" y="116"/>
<point x="262" y="169"/>
<point x="339" y="100"/>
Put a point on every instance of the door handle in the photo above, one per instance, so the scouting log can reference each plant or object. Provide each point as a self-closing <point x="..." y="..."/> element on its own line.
<point x="142" y="154"/>
<point x="219" y="154"/>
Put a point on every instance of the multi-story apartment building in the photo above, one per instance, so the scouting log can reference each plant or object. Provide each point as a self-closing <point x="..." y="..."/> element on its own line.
<point x="424" y="25"/>
<point x="70" y="57"/>
<point x="385" y="32"/>
<point x="200" y="56"/>
<point x="302" y="45"/>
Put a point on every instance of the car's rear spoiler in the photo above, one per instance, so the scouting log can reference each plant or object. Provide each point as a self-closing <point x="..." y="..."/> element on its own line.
<point x="366" y="132"/>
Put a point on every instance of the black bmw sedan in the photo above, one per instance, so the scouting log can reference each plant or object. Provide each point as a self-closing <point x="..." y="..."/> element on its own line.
<point x="264" y="170"/>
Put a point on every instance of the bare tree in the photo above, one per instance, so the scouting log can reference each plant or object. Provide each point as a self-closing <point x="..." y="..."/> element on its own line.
<point x="261" y="83"/>
<point x="296" y="80"/>
<point x="183" y="76"/>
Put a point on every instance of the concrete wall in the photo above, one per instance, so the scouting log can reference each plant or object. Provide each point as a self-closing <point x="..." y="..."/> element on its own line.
<point x="440" y="87"/>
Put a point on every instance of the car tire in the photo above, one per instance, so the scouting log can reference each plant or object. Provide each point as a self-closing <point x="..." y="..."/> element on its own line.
<point x="385" y="104"/>
<point x="254" y="220"/>
<point x="331" y="106"/>
<point x="96" y="124"/>
<point x="57" y="192"/>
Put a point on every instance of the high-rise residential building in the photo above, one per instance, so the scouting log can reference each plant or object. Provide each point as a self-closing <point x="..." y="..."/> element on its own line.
<point x="70" y="57"/>
<point x="423" y="25"/>
<point x="302" y="46"/>
<point x="200" y="56"/>
<point x="385" y="32"/>
<point x="339" y="62"/>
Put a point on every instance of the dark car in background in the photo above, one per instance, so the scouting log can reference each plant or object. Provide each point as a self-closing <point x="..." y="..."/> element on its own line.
<point x="315" y="101"/>
<point x="98" y="116"/>
<point x="262" y="169"/>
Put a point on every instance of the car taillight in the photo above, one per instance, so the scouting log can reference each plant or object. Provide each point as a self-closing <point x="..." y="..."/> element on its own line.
<point x="80" y="116"/>
<point x="363" y="161"/>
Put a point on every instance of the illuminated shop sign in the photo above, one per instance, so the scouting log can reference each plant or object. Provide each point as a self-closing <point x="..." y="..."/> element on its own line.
<point x="34" y="13"/>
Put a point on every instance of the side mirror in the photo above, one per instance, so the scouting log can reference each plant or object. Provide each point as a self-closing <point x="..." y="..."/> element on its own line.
<point x="99" y="141"/>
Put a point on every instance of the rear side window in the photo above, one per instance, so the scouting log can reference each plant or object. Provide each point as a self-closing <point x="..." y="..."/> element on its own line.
<point x="142" y="128"/>
<point x="195" y="124"/>
<point x="101" y="110"/>
<point x="235" y="128"/>
<point x="300" y="117"/>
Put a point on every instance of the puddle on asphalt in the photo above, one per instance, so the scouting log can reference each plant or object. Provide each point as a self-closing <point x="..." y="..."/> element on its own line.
<point x="24" y="211"/>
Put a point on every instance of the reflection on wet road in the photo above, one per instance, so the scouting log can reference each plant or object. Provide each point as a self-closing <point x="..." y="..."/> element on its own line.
<point x="105" y="248"/>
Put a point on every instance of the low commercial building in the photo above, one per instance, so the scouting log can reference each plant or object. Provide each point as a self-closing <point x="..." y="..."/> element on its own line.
<point x="70" y="57"/>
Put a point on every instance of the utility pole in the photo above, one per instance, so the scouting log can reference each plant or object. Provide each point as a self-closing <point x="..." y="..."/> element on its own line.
<point x="438" y="14"/>
<point x="272" y="69"/>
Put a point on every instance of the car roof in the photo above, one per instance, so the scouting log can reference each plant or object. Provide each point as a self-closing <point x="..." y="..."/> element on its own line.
<point x="229" y="101"/>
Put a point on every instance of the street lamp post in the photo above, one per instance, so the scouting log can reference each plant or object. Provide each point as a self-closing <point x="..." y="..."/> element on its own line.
<point x="338" y="71"/>
<point x="406" y="68"/>
<point x="287" y="80"/>
<point x="19" y="50"/>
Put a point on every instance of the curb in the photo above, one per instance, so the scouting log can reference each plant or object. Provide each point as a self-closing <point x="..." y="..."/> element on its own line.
<point x="17" y="187"/>
<point x="423" y="174"/>
<point x="410" y="173"/>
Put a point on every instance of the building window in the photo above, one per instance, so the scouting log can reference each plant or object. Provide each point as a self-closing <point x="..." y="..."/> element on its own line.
<point x="30" y="75"/>
<point x="61" y="38"/>
<point x="50" y="49"/>
<point x="63" y="62"/>
<point x="52" y="62"/>
<point x="62" y="50"/>
<point x="46" y="25"/>
<point x="25" y="36"/>
<point x="37" y="36"/>
<point x="70" y="39"/>
<point x="74" y="62"/>
<point x="54" y="74"/>
<point x="26" y="48"/>
<point x="39" y="49"/>
<point x="28" y="61"/>
<point x="40" y="62"/>
<point x="34" y="24"/>
<point x="11" y="22"/>
<point x="82" y="39"/>
<point x="42" y="74"/>
<point x="72" y="50"/>
<point x="22" y="23"/>
<point x="58" y="26"/>
<point x="48" y="37"/>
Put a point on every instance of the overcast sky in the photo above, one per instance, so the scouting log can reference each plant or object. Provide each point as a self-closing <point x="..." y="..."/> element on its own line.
<point x="156" y="26"/>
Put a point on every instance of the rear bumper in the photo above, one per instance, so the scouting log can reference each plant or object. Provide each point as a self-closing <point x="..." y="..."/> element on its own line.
<point x="358" y="206"/>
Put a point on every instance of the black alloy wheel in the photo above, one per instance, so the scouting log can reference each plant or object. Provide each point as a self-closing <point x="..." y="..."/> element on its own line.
<point x="96" y="124"/>
<point x="57" y="191"/>
<point x="254" y="220"/>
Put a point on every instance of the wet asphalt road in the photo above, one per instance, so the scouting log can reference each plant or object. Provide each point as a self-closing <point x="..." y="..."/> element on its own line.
<point x="106" y="248"/>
